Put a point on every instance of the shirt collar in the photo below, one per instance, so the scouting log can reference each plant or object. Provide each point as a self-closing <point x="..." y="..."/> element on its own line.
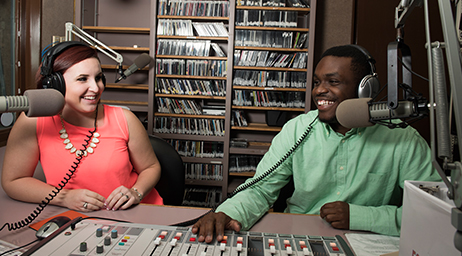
<point x="352" y="132"/>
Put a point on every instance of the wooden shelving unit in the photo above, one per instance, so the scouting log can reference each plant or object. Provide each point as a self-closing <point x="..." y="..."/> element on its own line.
<point x="135" y="32"/>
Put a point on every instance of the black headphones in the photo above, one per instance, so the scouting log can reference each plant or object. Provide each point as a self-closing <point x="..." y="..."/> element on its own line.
<point x="55" y="80"/>
<point x="369" y="86"/>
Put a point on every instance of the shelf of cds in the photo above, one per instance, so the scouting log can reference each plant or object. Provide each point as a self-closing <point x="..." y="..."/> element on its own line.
<point x="190" y="90"/>
<point x="228" y="75"/>
<point x="271" y="76"/>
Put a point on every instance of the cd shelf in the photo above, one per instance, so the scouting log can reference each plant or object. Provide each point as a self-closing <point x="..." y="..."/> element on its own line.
<point x="190" y="57"/>
<point x="283" y="29"/>
<point x="121" y="30"/>
<point x="273" y="55"/>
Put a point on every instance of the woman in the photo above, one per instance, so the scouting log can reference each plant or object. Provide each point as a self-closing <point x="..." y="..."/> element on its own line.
<point x="118" y="167"/>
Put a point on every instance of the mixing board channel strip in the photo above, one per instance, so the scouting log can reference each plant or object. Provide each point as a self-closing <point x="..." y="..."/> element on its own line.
<point x="100" y="237"/>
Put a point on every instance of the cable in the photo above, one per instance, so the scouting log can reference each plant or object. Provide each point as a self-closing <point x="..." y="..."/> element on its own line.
<point x="259" y="178"/>
<point x="277" y="164"/>
<point x="55" y="192"/>
<point x="414" y="73"/>
<point x="46" y="49"/>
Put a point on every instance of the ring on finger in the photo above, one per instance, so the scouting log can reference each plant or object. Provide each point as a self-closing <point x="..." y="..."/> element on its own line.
<point x="127" y="197"/>
<point x="122" y="194"/>
<point x="85" y="204"/>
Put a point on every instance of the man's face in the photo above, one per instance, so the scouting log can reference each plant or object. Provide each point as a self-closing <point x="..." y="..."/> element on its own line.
<point x="333" y="82"/>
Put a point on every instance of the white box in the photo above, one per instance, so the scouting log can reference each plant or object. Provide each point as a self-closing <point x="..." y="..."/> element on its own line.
<point x="426" y="227"/>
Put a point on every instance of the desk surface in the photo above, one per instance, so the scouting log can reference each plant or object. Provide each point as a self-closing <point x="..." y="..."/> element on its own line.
<point x="14" y="211"/>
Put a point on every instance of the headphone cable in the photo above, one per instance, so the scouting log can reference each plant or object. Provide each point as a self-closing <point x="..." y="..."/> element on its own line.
<point x="56" y="190"/>
<point x="245" y="186"/>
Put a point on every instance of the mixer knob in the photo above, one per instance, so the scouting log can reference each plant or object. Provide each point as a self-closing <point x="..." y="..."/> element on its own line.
<point x="99" y="248"/>
<point x="114" y="233"/>
<point x="99" y="232"/>
<point x="83" y="246"/>
<point x="107" y="240"/>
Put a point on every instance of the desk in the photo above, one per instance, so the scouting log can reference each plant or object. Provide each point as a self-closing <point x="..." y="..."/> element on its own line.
<point x="13" y="211"/>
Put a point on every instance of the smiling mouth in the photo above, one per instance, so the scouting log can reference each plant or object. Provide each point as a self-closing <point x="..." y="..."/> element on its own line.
<point x="89" y="97"/>
<point x="325" y="102"/>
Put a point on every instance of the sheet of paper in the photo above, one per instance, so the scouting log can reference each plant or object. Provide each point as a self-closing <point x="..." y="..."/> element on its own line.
<point x="372" y="244"/>
<point x="5" y="246"/>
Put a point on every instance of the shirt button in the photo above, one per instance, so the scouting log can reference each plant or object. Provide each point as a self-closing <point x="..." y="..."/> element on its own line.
<point x="359" y="133"/>
<point x="338" y="193"/>
<point x="341" y="167"/>
<point x="343" y="141"/>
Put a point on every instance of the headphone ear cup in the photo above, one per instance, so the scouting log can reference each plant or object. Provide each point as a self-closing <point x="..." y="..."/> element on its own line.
<point x="55" y="81"/>
<point x="369" y="87"/>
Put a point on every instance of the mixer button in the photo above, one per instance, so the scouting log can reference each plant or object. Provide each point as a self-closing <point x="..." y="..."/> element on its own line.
<point x="239" y="247"/>
<point x="157" y="241"/>
<point x="222" y="246"/>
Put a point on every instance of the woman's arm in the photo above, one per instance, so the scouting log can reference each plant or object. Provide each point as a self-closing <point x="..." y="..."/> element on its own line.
<point x="21" y="158"/>
<point x="142" y="155"/>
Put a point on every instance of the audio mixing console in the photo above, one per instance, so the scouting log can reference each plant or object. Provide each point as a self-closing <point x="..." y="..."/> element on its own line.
<point x="102" y="237"/>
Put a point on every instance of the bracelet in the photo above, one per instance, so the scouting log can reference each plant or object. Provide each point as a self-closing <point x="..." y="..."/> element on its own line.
<point x="139" y="194"/>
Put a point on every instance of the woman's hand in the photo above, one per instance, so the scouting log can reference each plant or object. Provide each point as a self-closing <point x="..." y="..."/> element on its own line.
<point x="121" y="198"/>
<point x="82" y="200"/>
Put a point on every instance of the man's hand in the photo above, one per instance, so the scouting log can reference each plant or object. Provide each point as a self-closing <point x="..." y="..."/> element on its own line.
<point x="217" y="222"/>
<point x="337" y="214"/>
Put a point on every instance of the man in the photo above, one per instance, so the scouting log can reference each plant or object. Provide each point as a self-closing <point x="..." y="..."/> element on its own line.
<point x="352" y="178"/>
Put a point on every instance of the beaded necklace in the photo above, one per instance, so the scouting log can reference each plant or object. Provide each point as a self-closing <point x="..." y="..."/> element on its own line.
<point x="68" y="144"/>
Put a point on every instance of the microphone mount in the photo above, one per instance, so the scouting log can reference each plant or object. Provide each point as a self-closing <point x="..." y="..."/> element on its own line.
<point x="419" y="105"/>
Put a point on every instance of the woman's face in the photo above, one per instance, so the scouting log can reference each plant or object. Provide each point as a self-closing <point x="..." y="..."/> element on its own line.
<point x="84" y="85"/>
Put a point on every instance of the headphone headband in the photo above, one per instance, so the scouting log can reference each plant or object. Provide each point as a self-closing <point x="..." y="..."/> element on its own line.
<point x="53" y="53"/>
<point x="369" y="58"/>
<point x="55" y="80"/>
<point x="369" y="85"/>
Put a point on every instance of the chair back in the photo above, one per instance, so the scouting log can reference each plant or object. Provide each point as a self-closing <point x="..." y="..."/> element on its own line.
<point x="171" y="185"/>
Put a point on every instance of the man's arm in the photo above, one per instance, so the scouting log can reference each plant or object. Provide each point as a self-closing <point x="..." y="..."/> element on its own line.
<point x="415" y="164"/>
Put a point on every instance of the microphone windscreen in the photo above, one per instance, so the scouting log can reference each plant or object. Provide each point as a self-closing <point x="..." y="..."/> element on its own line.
<point x="354" y="113"/>
<point x="142" y="60"/>
<point x="44" y="102"/>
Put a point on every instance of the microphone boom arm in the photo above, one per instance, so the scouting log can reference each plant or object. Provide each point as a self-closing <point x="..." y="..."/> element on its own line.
<point x="72" y="29"/>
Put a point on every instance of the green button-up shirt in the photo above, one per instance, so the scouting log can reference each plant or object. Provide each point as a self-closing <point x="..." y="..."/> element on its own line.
<point x="366" y="168"/>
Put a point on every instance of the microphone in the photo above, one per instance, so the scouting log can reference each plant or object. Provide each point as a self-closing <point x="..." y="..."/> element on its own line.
<point x="140" y="62"/>
<point x="362" y="112"/>
<point x="37" y="102"/>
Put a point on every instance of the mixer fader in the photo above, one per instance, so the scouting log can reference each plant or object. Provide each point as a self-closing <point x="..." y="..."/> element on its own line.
<point x="99" y="237"/>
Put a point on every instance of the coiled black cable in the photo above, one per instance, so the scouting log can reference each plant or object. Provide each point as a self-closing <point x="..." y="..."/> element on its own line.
<point x="277" y="164"/>
<point x="26" y="221"/>
<point x="259" y="178"/>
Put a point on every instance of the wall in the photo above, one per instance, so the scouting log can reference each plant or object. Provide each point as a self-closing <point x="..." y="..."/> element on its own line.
<point x="55" y="13"/>
<point x="374" y="29"/>
<point x="334" y="24"/>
